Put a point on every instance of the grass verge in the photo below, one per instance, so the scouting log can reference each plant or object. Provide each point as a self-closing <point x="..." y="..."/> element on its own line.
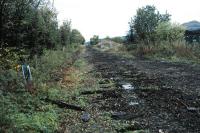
<point x="21" y="111"/>
<point x="178" y="51"/>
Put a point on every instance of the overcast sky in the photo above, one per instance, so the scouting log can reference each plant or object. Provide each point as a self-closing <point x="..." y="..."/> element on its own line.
<point x="111" y="17"/>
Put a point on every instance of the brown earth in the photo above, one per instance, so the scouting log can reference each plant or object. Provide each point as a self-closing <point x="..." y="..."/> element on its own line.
<point x="165" y="97"/>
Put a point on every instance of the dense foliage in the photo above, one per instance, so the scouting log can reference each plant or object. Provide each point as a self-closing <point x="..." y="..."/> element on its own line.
<point x="145" y="23"/>
<point x="27" y="24"/>
<point x="151" y="34"/>
<point x="169" y="32"/>
<point x="21" y="111"/>
<point x="94" y="40"/>
<point x="69" y="35"/>
<point x="148" y="26"/>
<point x="29" y="32"/>
<point x="32" y="26"/>
<point x="76" y="37"/>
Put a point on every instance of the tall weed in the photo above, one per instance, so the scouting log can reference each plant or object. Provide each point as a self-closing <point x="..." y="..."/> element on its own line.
<point x="22" y="112"/>
<point x="168" y="50"/>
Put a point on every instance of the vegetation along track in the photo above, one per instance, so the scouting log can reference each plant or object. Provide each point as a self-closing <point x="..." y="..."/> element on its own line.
<point x="159" y="96"/>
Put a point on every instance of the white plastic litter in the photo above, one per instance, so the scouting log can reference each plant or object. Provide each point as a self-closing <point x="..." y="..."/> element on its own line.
<point x="128" y="86"/>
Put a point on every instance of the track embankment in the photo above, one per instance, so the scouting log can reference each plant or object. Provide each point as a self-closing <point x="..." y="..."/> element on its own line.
<point x="159" y="96"/>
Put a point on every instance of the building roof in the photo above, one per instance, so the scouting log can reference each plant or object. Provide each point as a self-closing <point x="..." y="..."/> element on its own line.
<point x="192" y="26"/>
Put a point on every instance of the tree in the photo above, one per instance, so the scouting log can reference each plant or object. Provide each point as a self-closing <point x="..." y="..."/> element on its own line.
<point x="77" y="37"/>
<point x="94" y="40"/>
<point x="44" y="31"/>
<point x="145" y="22"/>
<point x="14" y="19"/>
<point x="28" y="24"/>
<point x="169" y="32"/>
<point x="69" y="36"/>
<point x="130" y="37"/>
<point x="31" y="25"/>
<point x="65" y="32"/>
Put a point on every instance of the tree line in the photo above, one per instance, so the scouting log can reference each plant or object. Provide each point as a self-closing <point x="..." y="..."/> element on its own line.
<point x="150" y="26"/>
<point x="32" y="25"/>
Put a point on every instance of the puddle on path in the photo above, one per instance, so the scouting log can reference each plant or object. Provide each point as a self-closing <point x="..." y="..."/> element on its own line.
<point x="128" y="86"/>
<point x="133" y="103"/>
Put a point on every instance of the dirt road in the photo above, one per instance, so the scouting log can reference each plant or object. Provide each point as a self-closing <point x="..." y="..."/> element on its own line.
<point x="159" y="96"/>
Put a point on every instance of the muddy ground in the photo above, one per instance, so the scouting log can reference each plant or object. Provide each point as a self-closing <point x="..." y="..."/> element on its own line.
<point x="163" y="97"/>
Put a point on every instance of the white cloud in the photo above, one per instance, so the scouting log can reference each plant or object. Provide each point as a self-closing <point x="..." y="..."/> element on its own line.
<point x="111" y="17"/>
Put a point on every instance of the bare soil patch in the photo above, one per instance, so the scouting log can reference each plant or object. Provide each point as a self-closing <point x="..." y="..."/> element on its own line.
<point x="166" y="96"/>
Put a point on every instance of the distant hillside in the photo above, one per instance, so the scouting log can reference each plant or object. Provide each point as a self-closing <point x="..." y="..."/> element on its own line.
<point x="109" y="45"/>
<point x="192" y="25"/>
<point x="107" y="42"/>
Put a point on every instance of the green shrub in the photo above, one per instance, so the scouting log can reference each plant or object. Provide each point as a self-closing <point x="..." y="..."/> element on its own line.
<point x="9" y="57"/>
<point x="25" y="113"/>
<point x="38" y="121"/>
<point x="10" y="80"/>
<point x="169" y="32"/>
<point x="21" y="111"/>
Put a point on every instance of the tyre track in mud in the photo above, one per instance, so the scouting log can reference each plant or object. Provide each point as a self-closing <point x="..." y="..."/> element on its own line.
<point x="163" y="96"/>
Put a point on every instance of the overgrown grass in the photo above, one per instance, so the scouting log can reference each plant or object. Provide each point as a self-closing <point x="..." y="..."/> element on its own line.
<point x="112" y="47"/>
<point x="21" y="111"/>
<point x="178" y="51"/>
<point x="57" y="75"/>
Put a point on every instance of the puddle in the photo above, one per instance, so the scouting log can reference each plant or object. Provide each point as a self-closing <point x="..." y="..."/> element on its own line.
<point x="133" y="103"/>
<point x="128" y="86"/>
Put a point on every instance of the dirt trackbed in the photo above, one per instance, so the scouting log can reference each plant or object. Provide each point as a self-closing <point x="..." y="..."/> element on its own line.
<point x="166" y="96"/>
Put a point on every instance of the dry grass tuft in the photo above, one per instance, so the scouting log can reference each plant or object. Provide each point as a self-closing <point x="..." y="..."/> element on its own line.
<point x="183" y="50"/>
<point x="70" y="78"/>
